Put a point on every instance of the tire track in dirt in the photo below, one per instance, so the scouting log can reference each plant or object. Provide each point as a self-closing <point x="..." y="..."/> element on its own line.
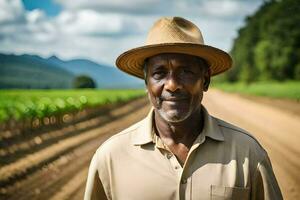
<point x="57" y="178"/>
<point x="276" y="130"/>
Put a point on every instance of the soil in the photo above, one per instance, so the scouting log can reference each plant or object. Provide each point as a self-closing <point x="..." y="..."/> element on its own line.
<point x="275" y="125"/>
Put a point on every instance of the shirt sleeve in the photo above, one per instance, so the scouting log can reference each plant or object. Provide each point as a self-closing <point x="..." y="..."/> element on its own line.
<point x="94" y="188"/>
<point x="265" y="186"/>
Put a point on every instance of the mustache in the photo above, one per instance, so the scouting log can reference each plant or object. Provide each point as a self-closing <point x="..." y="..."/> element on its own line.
<point x="173" y="95"/>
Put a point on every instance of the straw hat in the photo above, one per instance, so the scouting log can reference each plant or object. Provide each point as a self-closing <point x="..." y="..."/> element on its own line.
<point x="173" y="35"/>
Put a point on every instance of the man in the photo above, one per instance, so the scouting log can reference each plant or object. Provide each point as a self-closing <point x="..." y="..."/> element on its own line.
<point x="179" y="151"/>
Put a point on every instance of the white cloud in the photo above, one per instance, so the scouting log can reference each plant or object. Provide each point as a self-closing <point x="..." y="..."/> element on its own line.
<point x="212" y="8"/>
<point x="229" y="8"/>
<point x="11" y="11"/>
<point x="119" y="6"/>
<point x="88" y="22"/>
<point x="101" y="30"/>
<point x="35" y="16"/>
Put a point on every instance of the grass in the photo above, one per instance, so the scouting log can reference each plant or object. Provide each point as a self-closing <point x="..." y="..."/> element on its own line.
<point x="282" y="90"/>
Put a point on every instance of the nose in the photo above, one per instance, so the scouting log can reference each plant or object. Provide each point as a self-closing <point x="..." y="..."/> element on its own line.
<point x="172" y="84"/>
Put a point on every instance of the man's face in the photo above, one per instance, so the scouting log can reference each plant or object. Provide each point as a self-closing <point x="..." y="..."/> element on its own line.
<point x="175" y="84"/>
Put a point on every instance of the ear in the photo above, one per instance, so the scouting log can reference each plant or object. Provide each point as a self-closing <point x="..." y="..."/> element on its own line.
<point x="206" y="77"/>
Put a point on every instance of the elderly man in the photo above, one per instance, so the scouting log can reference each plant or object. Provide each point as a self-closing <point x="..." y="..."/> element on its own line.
<point x="179" y="151"/>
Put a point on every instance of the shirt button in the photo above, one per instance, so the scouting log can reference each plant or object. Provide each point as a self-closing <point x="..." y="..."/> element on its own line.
<point x="176" y="167"/>
<point x="169" y="155"/>
<point x="183" y="181"/>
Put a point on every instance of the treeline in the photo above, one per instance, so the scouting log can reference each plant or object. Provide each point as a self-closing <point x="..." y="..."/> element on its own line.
<point x="268" y="46"/>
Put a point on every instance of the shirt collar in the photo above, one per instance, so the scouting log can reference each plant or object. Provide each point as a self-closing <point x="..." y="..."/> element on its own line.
<point x="145" y="133"/>
<point x="211" y="127"/>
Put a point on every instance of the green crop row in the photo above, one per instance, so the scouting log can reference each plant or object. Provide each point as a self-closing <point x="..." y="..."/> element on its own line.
<point x="22" y="104"/>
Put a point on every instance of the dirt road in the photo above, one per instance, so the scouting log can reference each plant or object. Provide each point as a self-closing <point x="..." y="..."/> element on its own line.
<point x="276" y="130"/>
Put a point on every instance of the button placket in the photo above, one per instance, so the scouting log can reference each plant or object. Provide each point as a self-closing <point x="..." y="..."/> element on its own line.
<point x="183" y="181"/>
<point x="184" y="188"/>
<point x="169" y="155"/>
<point x="174" y="164"/>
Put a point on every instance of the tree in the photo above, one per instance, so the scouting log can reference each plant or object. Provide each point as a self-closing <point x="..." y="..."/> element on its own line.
<point x="84" y="81"/>
<point x="268" y="46"/>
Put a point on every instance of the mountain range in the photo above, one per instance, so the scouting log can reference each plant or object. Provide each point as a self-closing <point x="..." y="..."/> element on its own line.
<point x="32" y="71"/>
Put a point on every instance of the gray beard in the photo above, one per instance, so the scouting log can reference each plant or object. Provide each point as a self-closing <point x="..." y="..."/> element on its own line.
<point x="168" y="117"/>
<point x="173" y="118"/>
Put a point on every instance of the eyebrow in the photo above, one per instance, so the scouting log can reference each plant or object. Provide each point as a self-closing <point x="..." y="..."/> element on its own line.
<point x="158" y="65"/>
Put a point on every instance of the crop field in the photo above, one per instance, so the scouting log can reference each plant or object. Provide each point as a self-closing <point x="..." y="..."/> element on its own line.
<point x="21" y="105"/>
<point x="26" y="149"/>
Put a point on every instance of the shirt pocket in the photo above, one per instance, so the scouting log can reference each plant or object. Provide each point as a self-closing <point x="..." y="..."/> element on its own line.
<point x="232" y="193"/>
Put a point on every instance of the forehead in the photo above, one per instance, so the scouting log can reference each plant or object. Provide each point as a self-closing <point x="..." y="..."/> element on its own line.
<point x="174" y="57"/>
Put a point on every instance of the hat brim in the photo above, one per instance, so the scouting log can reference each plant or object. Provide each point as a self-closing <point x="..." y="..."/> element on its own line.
<point x="132" y="61"/>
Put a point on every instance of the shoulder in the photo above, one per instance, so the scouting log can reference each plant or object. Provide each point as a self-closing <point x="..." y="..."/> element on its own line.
<point x="242" y="139"/>
<point x="236" y="131"/>
<point x="117" y="143"/>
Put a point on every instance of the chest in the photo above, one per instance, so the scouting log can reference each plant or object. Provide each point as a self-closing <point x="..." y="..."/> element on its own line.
<point x="154" y="175"/>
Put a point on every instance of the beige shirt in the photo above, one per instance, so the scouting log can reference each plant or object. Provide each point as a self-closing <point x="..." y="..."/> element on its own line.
<point x="224" y="162"/>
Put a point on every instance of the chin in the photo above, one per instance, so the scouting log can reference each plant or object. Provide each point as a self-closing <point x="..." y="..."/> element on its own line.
<point x="174" y="116"/>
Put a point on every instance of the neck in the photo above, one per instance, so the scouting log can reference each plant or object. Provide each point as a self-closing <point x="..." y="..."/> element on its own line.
<point x="180" y="132"/>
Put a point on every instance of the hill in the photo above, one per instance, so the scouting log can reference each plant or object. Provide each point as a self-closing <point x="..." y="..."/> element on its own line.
<point x="105" y="76"/>
<point x="31" y="71"/>
<point x="28" y="71"/>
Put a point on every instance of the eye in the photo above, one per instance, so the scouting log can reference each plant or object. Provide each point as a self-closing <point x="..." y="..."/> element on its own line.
<point x="188" y="71"/>
<point x="158" y="74"/>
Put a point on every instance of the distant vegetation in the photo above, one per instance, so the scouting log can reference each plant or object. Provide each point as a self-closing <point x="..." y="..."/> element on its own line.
<point x="284" y="90"/>
<point x="268" y="46"/>
<point x="84" y="81"/>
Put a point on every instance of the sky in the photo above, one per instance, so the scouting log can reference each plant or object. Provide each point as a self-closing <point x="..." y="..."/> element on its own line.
<point x="100" y="30"/>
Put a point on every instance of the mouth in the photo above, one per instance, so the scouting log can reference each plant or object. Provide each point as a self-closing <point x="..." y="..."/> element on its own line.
<point x="172" y="99"/>
<point x="175" y="99"/>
